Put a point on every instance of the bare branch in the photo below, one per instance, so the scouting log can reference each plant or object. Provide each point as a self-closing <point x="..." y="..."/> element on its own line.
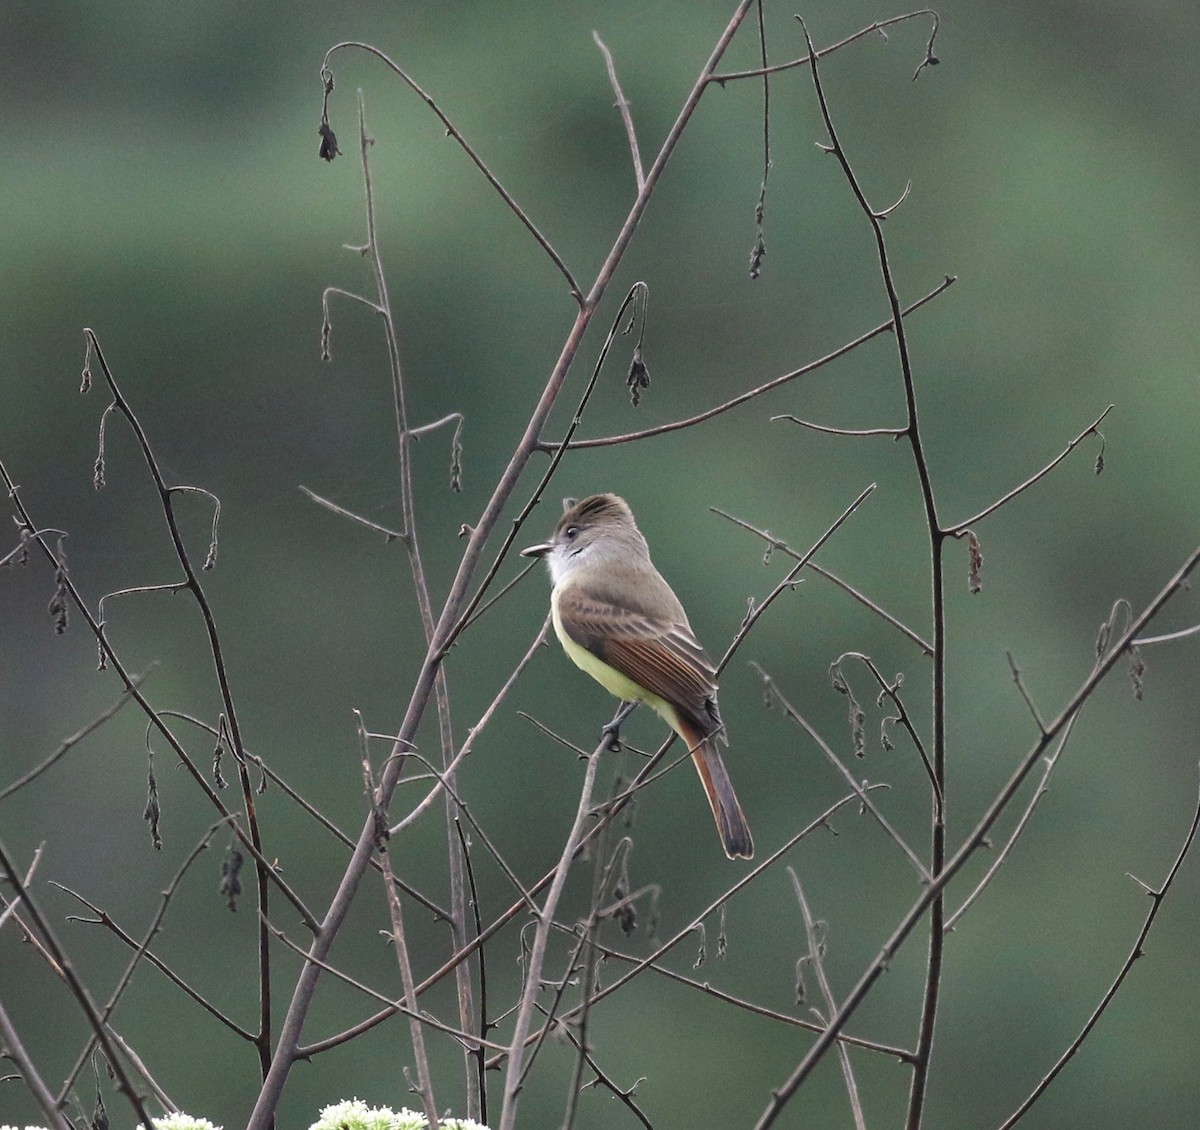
<point x="974" y="841"/>
<point x="68" y="744"/>
<point x="876" y="28"/>
<point x="475" y="731"/>
<point x="1156" y="901"/>
<point x="960" y="528"/>
<point x="1183" y="633"/>
<point x="898" y="1053"/>
<point x="750" y="394"/>
<point x="140" y="950"/>
<point x="396" y="911"/>
<point x="893" y="432"/>
<point x="1016" y="675"/>
<point x="14" y="1049"/>
<point x="64" y="968"/>
<point x="476" y="160"/>
<point x="623" y="107"/>
<point x="822" y="821"/>
<point x="537" y="957"/>
<point x="320" y="500"/>
<point x="775" y="543"/>
<point x="789" y="581"/>
<point x="861" y="790"/>
<point x="467" y="1039"/>
<point x="891" y="691"/>
<point x="816" y="957"/>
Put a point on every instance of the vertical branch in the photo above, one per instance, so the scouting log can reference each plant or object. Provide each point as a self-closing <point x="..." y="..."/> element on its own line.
<point x="602" y="876"/>
<point x="816" y="956"/>
<point x="537" y="957"/>
<point x="262" y="1041"/>
<point x="626" y="115"/>
<point x="415" y="1024"/>
<point x="937" y="854"/>
<point x="760" y="246"/>
<point x="408" y="535"/>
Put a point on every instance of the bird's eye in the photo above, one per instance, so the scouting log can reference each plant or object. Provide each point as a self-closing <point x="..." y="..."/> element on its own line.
<point x="570" y="532"/>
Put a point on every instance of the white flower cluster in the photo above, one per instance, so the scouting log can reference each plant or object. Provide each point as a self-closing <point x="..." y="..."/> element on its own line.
<point x="181" y="1122"/>
<point x="356" y="1115"/>
<point x="351" y="1115"/>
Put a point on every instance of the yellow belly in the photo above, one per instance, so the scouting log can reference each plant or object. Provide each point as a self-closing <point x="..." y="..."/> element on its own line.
<point x="609" y="677"/>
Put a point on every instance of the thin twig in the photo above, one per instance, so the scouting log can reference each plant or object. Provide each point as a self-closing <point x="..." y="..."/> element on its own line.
<point x="473" y="733"/>
<point x="862" y="790"/>
<point x="10" y="908"/>
<point x="898" y="1053"/>
<point x="14" y="1050"/>
<point x="466" y="1039"/>
<point x="537" y="957"/>
<point x="68" y="744"/>
<point x="105" y="920"/>
<point x="424" y="1076"/>
<point x="977" y="839"/>
<point x="453" y="131"/>
<point x="1016" y="676"/>
<point x="893" y="432"/>
<point x="865" y="601"/>
<point x="805" y="60"/>
<point x="1120" y="613"/>
<point x="493" y="600"/>
<point x="625" y="1097"/>
<point x="464" y="811"/>
<point x="168" y="1104"/>
<point x="603" y="868"/>
<point x="139" y="952"/>
<point x="892" y="691"/>
<point x="816" y="957"/>
<point x="263" y="871"/>
<point x="759" y="252"/>
<point x="485" y="1024"/>
<point x="960" y="528"/>
<point x="789" y="581"/>
<point x="63" y="966"/>
<point x="1183" y="633"/>
<point x="750" y="394"/>
<point x="1156" y="901"/>
<point x="399" y="940"/>
<point x="623" y="107"/>
<point x="320" y="500"/>
<point x="1002" y="855"/>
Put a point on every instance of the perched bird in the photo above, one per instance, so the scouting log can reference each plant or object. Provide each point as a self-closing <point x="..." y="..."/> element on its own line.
<point x="619" y="621"/>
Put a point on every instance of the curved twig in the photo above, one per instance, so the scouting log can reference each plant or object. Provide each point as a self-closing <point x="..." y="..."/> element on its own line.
<point x="476" y="160"/>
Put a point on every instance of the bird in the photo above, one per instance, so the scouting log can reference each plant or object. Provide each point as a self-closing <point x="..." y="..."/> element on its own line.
<point x="619" y="620"/>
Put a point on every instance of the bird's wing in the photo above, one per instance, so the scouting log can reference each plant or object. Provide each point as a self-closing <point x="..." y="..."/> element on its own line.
<point x="661" y="656"/>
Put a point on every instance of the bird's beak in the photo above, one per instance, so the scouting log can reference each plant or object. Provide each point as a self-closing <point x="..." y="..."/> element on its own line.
<point x="538" y="550"/>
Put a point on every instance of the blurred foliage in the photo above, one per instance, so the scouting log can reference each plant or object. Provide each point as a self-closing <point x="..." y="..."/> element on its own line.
<point x="161" y="185"/>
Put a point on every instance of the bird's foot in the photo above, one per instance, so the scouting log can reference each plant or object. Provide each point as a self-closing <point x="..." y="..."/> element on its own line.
<point x="613" y="730"/>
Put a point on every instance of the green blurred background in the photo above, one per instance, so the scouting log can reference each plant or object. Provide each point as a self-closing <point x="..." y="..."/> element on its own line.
<point x="161" y="185"/>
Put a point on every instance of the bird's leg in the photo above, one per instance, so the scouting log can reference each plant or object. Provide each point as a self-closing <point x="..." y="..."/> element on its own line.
<point x="613" y="730"/>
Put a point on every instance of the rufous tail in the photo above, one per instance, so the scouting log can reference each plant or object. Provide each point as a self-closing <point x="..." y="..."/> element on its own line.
<point x="727" y="812"/>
